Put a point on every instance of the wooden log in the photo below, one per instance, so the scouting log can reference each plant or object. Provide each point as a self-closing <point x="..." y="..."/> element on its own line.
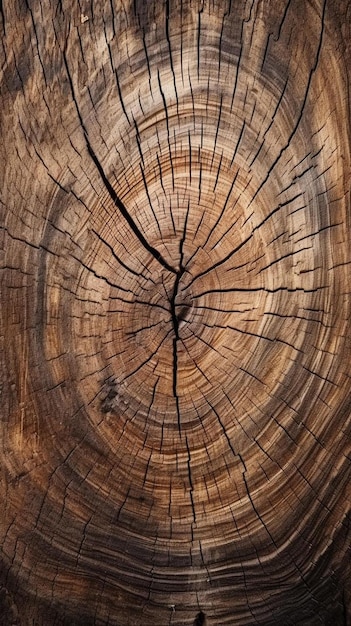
<point x="175" y="312"/>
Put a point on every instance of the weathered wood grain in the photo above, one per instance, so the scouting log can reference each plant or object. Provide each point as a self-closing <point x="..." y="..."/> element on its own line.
<point x="175" y="312"/>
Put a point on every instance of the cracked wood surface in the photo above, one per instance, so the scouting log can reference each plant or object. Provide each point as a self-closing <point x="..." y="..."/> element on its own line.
<point x="175" y="312"/>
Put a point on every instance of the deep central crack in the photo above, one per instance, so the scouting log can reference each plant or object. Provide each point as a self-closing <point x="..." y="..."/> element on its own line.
<point x="175" y="313"/>
<point x="176" y="322"/>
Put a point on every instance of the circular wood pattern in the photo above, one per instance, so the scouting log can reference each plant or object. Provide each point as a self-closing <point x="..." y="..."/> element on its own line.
<point x="175" y="444"/>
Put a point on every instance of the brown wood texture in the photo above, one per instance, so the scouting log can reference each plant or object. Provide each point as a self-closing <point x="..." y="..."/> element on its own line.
<point x="175" y="312"/>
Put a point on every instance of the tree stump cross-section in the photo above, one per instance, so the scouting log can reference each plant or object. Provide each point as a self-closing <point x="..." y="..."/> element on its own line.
<point x="175" y="312"/>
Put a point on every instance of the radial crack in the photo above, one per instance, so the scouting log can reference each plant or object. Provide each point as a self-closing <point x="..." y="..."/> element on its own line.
<point x="113" y="195"/>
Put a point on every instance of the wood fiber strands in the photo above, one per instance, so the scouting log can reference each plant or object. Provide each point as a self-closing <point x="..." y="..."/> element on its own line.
<point x="175" y="313"/>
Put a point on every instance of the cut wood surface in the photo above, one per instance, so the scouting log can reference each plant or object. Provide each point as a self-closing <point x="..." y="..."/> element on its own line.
<point x="175" y="313"/>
